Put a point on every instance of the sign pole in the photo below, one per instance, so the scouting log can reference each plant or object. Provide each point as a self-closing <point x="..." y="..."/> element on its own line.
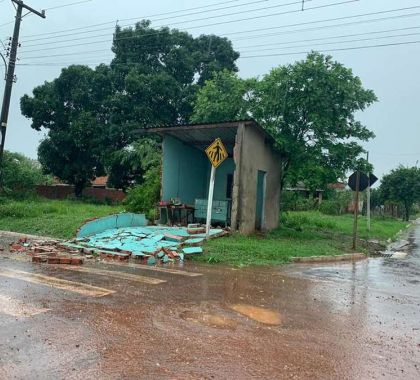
<point x="356" y="210"/>
<point x="210" y="201"/>
<point x="368" y="198"/>
<point x="216" y="154"/>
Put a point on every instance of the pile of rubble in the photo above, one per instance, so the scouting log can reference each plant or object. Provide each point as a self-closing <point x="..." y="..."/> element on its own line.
<point x="148" y="244"/>
<point x="47" y="251"/>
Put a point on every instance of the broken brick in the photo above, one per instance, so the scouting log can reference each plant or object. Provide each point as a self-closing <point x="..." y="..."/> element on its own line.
<point x="195" y="231"/>
<point x="76" y="261"/>
<point x="174" y="238"/>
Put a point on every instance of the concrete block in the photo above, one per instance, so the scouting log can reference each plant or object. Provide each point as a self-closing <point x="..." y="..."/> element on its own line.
<point x="192" y="250"/>
<point x="151" y="261"/>
<point x="173" y="238"/>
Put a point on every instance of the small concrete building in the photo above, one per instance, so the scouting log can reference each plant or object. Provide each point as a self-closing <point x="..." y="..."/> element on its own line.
<point x="247" y="187"/>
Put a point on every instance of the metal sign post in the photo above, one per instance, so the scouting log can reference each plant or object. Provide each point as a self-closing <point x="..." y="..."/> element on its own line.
<point x="210" y="201"/>
<point x="216" y="153"/>
<point x="356" y="210"/>
<point x="359" y="181"/>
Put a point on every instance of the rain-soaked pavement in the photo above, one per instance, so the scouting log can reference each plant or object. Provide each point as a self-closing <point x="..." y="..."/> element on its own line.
<point x="105" y="321"/>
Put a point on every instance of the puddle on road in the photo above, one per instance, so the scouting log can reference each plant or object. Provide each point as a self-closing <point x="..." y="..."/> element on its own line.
<point x="259" y="314"/>
<point x="212" y="320"/>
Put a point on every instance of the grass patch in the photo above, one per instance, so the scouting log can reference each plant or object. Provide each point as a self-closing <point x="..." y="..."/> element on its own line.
<point x="59" y="219"/>
<point x="306" y="233"/>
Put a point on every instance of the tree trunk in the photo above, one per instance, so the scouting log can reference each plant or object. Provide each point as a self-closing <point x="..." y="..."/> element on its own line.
<point x="78" y="189"/>
<point x="407" y="214"/>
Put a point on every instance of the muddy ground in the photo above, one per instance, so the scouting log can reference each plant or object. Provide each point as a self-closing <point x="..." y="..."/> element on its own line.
<point x="356" y="320"/>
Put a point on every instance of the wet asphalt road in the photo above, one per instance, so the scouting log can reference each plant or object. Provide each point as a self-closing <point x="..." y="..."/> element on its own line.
<point x="326" y="321"/>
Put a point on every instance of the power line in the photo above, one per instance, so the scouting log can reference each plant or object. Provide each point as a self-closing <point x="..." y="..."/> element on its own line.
<point x="331" y="19"/>
<point x="333" y="50"/>
<point x="341" y="42"/>
<point x="148" y="17"/>
<point x="247" y="57"/>
<point x="207" y="25"/>
<point x="271" y="34"/>
<point x="53" y="8"/>
<point x="108" y="28"/>
<point x="329" y="38"/>
<point x="68" y="5"/>
<point x="129" y="37"/>
<point x="396" y="154"/>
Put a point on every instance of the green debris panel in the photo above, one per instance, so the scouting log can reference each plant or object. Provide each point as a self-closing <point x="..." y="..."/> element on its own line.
<point x="112" y="222"/>
<point x="161" y="243"/>
<point x="192" y="250"/>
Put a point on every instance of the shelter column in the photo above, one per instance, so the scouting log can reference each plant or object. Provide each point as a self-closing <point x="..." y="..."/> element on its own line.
<point x="237" y="156"/>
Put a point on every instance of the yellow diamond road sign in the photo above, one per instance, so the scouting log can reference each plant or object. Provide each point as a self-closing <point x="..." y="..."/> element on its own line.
<point x="216" y="153"/>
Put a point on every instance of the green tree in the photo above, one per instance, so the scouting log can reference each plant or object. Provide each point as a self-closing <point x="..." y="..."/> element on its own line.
<point x="70" y="107"/>
<point x="402" y="185"/>
<point x="157" y="72"/>
<point x="21" y="175"/>
<point x="90" y="114"/>
<point x="309" y="108"/>
<point x="225" y="97"/>
<point x="127" y="167"/>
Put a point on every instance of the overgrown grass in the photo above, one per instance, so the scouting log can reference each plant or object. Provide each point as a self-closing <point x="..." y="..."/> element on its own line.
<point x="305" y="233"/>
<point x="301" y="234"/>
<point x="59" y="219"/>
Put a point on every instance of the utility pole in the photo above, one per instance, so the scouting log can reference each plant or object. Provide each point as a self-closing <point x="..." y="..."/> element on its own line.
<point x="10" y="74"/>
<point x="368" y="197"/>
<point x="356" y="210"/>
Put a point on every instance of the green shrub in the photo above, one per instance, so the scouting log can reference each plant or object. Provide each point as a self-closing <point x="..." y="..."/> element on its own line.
<point x="330" y="207"/>
<point x="336" y="204"/>
<point x="293" y="201"/>
<point x="307" y="220"/>
<point x="144" y="198"/>
<point x="20" y="175"/>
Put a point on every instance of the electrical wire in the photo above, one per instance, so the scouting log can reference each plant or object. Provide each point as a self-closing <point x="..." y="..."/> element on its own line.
<point x="290" y="44"/>
<point x="207" y="25"/>
<point x="333" y="50"/>
<point x="330" y="37"/>
<point x="117" y="39"/>
<point x="67" y="5"/>
<point x="339" y="42"/>
<point x="148" y="17"/>
<point x="256" y="55"/>
<point x="330" y="19"/>
<point x="108" y="28"/>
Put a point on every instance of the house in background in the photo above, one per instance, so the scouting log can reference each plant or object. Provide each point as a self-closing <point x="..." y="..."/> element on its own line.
<point x="247" y="188"/>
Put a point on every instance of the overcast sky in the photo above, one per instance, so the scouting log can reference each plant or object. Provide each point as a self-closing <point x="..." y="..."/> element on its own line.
<point x="391" y="71"/>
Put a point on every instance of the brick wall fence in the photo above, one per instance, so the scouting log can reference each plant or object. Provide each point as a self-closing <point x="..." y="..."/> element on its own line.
<point x="63" y="192"/>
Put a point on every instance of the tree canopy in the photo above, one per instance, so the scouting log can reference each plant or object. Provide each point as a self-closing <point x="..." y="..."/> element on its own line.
<point x="309" y="107"/>
<point x="70" y="108"/>
<point x="21" y="174"/>
<point x="402" y="185"/>
<point x="90" y="113"/>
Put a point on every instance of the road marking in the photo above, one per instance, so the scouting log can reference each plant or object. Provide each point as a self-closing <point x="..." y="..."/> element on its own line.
<point x="72" y="286"/>
<point x="16" y="308"/>
<point x="157" y="269"/>
<point x="120" y="275"/>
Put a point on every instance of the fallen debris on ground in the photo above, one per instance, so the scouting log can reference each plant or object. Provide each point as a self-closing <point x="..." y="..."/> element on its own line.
<point x="120" y="237"/>
<point x="149" y="244"/>
<point x="47" y="251"/>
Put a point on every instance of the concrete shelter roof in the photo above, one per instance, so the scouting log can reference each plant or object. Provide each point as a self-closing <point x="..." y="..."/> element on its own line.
<point x="201" y="135"/>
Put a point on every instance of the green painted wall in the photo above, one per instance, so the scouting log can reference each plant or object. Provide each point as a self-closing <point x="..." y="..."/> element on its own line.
<point x="184" y="171"/>
<point x="227" y="167"/>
